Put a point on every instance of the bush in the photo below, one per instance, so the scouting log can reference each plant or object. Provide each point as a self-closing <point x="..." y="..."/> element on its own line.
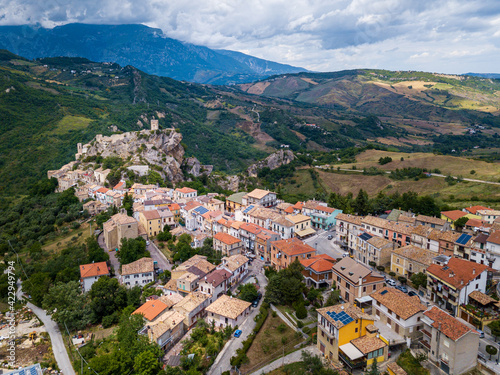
<point x="300" y="324"/>
<point x="281" y="328"/>
<point x="372" y="264"/>
<point x="381" y="268"/>
<point x="384" y="160"/>
<point x="301" y="311"/>
<point x="392" y="274"/>
<point x="274" y="314"/>
<point x="402" y="279"/>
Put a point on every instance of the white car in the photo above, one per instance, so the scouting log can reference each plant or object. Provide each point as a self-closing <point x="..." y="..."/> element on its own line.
<point x="390" y="282"/>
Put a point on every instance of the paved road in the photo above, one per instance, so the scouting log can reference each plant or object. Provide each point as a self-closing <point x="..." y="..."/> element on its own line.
<point x="222" y="362"/>
<point x="323" y="245"/>
<point x="56" y="338"/>
<point x="112" y="255"/>
<point x="158" y="256"/>
<point x="289" y="358"/>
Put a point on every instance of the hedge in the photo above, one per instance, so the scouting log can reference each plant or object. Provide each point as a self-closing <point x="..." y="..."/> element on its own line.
<point x="241" y="354"/>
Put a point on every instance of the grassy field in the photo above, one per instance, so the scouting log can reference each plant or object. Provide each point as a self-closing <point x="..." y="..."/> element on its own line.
<point x="70" y="123"/>
<point x="446" y="164"/>
<point x="73" y="237"/>
<point x="270" y="343"/>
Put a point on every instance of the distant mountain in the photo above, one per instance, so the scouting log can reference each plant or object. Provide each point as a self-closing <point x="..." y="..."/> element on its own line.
<point x="484" y="75"/>
<point x="143" y="47"/>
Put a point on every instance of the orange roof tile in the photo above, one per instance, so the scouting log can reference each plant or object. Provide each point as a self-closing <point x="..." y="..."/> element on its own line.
<point x="94" y="269"/>
<point x="174" y="207"/>
<point x="474" y="209"/>
<point x="151" y="309"/>
<point x="317" y="265"/>
<point x="494" y="237"/>
<point x="457" y="272"/>
<point x="454" y="214"/>
<point x="293" y="246"/>
<point x="226" y="238"/>
<point x="474" y="223"/>
<point x="185" y="190"/>
<point x="289" y="210"/>
<point x="447" y="324"/>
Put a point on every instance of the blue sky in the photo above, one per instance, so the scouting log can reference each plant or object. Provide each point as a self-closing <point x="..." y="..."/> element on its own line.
<point x="436" y="36"/>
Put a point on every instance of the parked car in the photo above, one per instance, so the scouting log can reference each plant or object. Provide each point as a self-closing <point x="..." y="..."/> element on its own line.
<point x="402" y="288"/>
<point x="481" y="333"/>
<point x="255" y="303"/>
<point x="330" y="237"/>
<point x="237" y="333"/>
<point x="390" y="282"/>
<point x="411" y="293"/>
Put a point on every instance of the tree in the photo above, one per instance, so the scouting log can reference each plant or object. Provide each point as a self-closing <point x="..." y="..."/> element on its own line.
<point x="132" y="249"/>
<point x="248" y="292"/>
<point x="107" y="296"/>
<point x="146" y="364"/>
<point x="301" y="311"/>
<point x="68" y="305"/>
<point x="419" y="279"/>
<point x="460" y="223"/>
<point x="128" y="203"/>
<point x="333" y="298"/>
<point x="373" y="369"/>
<point x="362" y="203"/>
<point x="495" y="328"/>
<point x="491" y="350"/>
<point x="95" y="252"/>
<point x="37" y="286"/>
<point x="313" y="295"/>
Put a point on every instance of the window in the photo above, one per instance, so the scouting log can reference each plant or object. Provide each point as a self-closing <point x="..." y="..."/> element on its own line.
<point x="374" y="287"/>
<point x="356" y="330"/>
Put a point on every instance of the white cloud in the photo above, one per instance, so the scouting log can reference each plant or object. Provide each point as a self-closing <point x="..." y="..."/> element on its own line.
<point x="435" y="35"/>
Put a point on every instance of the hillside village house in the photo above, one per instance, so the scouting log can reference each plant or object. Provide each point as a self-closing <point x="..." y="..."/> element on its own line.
<point x="248" y="235"/>
<point x="409" y="260"/>
<point x="263" y="244"/>
<point x="119" y="226"/>
<point x="449" y="343"/>
<point x="399" y="311"/>
<point x="237" y="265"/>
<point x="215" y="284"/>
<point x="259" y="197"/>
<point x="152" y="221"/>
<point x="426" y="238"/>
<point x="151" y="310"/>
<point x="432" y="222"/>
<point x="347" y="334"/>
<point x="185" y="193"/>
<point x="302" y="225"/>
<point x="493" y="250"/>
<point x="452" y="216"/>
<point x="234" y="202"/>
<point x="140" y="273"/>
<point x="167" y="331"/>
<point x="449" y="285"/>
<point x="324" y="217"/>
<point x="90" y="273"/>
<point x="284" y="252"/>
<point x="369" y="248"/>
<point x="318" y="270"/>
<point x="488" y="215"/>
<point x="227" y="244"/>
<point x="283" y="226"/>
<point x="447" y="241"/>
<point x="166" y="218"/>
<point x="227" y="311"/>
<point x="192" y="307"/>
<point x="347" y="226"/>
<point x="355" y="280"/>
<point x="260" y="216"/>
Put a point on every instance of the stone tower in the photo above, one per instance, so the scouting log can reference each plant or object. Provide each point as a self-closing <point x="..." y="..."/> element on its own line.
<point x="154" y="124"/>
<point x="79" y="148"/>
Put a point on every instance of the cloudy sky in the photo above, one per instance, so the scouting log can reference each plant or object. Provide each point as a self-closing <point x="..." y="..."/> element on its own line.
<point x="322" y="35"/>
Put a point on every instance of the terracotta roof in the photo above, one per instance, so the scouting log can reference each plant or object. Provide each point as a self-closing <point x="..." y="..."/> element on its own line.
<point x="375" y="221"/>
<point x="482" y="298"/>
<point x="283" y="221"/>
<point x="292" y="246"/>
<point x="102" y="190"/>
<point x="174" y="207"/>
<point x="228" y="307"/>
<point x="171" y="299"/>
<point x="298" y="218"/>
<point x="217" y="277"/>
<point x="258" y="193"/>
<point x="457" y="272"/>
<point x="298" y="205"/>
<point x="406" y="219"/>
<point x="198" y="261"/>
<point x="396" y="369"/>
<point x="186" y="190"/>
<point x="449" y="236"/>
<point x="289" y="210"/>
<point x="283" y="205"/>
<point x="226" y="238"/>
<point x="352" y="270"/>
<point x="311" y="204"/>
<point x="400" y="303"/>
<point x="481" y="238"/>
<point x="446" y="324"/>
<point x="234" y="261"/>
<point x="350" y="218"/>
<point x="367" y="344"/>
<point x="474" y="209"/>
<point x="422" y="230"/>
<point x="263" y="213"/>
<point x="191" y="205"/>
<point x="142" y="265"/>
<point x="318" y="264"/>
<point x="430" y="220"/>
<point x="166" y="322"/>
<point x="93" y="269"/>
<point x="123" y="219"/>
<point x="416" y="254"/>
<point x="378" y="242"/>
<point x="151" y="309"/>
<point x="328" y="210"/>
<point x="474" y="223"/>
<point x="494" y="237"/>
<point x="453" y="215"/>
<point x="151" y="215"/>
<point x="251" y="228"/>
<point x="191" y="301"/>
<point x="353" y="311"/>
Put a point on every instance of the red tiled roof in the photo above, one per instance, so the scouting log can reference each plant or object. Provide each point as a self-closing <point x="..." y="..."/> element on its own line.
<point x="226" y="238"/>
<point x="457" y="272"/>
<point x="151" y="309"/>
<point x="94" y="269"/>
<point x="474" y="209"/>
<point x="292" y="246"/>
<point x="190" y="205"/>
<point x="446" y="324"/>
<point x="454" y="215"/>
<point x="185" y="190"/>
<point x="298" y="205"/>
<point x="317" y="264"/>
<point x="474" y="223"/>
<point x="289" y="210"/>
<point x="252" y="228"/>
<point x="102" y="190"/>
<point x="325" y="209"/>
<point x="174" y="207"/>
<point x="151" y="215"/>
<point x="494" y="237"/>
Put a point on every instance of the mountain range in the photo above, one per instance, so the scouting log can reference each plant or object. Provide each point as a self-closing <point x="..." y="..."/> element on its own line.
<point x="143" y="47"/>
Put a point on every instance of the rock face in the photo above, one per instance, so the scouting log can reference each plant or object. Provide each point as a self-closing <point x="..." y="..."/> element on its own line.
<point x="196" y="169"/>
<point x="159" y="147"/>
<point x="273" y="161"/>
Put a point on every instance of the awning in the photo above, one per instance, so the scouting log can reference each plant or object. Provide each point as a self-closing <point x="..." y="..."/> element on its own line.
<point x="364" y="299"/>
<point x="351" y="351"/>
<point x="305" y="232"/>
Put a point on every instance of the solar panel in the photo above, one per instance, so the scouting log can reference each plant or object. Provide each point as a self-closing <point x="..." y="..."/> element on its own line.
<point x="201" y="210"/>
<point x="342" y="317"/>
<point x="365" y="236"/>
<point x="248" y="209"/>
<point x="383" y="292"/>
<point x="463" y="239"/>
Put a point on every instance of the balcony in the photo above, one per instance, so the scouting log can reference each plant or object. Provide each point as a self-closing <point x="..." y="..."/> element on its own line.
<point x="357" y="364"/>
<point x="425" y="344"/>
<point x="427" y="333"/>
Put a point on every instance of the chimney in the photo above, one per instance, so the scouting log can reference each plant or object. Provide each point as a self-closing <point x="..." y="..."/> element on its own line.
<point x="473" y="271"/>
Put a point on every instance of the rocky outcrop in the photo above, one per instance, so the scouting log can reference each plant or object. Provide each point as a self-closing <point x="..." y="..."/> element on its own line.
<point x="160" y="147"/>
<point x="195" y="168"/>
<point x="273" y="161"/>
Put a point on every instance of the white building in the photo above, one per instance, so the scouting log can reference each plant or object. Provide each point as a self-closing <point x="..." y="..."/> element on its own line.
<point x="227" y="311"/>
<point x="140" y="272"/>
<point x="90" y="273"/>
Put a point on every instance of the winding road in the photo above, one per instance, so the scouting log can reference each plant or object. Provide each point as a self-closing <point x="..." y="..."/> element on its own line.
<point x="56" y="338"/>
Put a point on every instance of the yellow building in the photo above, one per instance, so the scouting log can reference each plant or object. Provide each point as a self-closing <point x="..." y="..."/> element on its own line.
<point x="151" y="220"/>
<point x="347" y="334"/>
<point x="451" y="216"/>
<point x="409" y="260"/>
